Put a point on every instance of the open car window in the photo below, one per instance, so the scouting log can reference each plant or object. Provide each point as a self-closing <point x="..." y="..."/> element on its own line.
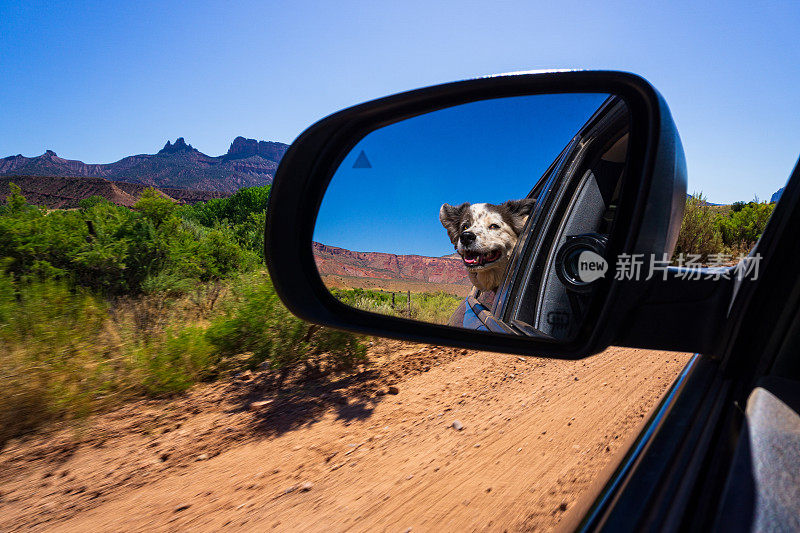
<point x="580" y="191"/>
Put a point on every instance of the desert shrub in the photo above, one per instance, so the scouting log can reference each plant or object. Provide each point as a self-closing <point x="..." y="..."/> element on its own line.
<point x="707" y="229"/>
<point x="15" y="201"/>
<point x="88" y="203"/>
<point x="738" y="206"/>
<point x="174" y="361"/>
<point x="154" y="206"/>
<point x="699" y="233"/>
<point x="244" y="213"/>
<point x="435" y="307"/>
<point x="742" y="228"/>
<point x="255" y="321"/>
<point x="373" y="301"/>
<point x="380" y="306"/>
<point x="194" y="254"/>
<point x="65" y="353"/>
<point x="233" y="210"/>
<point x="113" y="250"/>
<point x="102" y="304"/>
<point x="250" y="233"/>
<point x="51" y="362"/>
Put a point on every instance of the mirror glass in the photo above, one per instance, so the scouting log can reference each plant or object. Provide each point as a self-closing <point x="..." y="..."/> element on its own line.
<point x="492" y="215"/>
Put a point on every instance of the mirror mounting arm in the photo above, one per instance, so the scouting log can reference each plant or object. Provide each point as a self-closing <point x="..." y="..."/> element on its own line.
<point x="685" y="310"/>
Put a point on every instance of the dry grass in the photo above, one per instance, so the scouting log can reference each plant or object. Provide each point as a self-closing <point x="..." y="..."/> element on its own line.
<point x="65" y="354"/>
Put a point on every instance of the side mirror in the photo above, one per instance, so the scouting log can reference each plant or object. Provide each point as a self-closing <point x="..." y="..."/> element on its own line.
<point x="488" y="213"/>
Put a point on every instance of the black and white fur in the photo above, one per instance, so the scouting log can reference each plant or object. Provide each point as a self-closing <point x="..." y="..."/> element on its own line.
<point x="484" y="235"/>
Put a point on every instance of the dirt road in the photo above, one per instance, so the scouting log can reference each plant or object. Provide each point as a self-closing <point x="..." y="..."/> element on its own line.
<point x="373" y="452"/>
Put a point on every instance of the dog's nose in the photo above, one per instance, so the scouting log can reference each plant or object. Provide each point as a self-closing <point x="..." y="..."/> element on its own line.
<point x="467" y="237"/>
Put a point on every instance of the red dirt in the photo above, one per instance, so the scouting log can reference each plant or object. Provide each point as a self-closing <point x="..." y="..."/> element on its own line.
<point x="345" y="454"/>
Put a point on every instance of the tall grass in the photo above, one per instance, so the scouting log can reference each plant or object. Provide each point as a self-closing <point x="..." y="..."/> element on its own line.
<point x="435" y="307"/>
<point x="65" y="353"/>
<point x="103" y="304"/>
<point x="56" y="357"/>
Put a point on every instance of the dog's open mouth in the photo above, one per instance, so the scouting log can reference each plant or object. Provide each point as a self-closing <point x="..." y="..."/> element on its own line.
<point x="476" y="259"/>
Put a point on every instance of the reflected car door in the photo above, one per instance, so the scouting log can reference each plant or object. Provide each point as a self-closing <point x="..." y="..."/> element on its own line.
<point x="580" y="188"/>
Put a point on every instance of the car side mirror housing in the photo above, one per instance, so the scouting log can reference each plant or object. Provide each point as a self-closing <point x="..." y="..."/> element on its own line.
<point x="601" y="176"/>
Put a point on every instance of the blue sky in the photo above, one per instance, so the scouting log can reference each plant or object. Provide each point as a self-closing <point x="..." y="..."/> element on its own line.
<point x="98" y="81"/>
<point x="489" y="151"/>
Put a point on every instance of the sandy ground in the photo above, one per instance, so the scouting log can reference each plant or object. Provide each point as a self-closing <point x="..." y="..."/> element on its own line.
<point x="372" y="452"/>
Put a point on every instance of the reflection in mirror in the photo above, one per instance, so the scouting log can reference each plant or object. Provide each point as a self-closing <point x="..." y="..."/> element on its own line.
<point x="492" y="215"/>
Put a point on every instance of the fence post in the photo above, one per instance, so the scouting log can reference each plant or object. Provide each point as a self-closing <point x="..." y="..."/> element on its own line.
<point x="409" y="304"/>
<point x="392" y="300"/>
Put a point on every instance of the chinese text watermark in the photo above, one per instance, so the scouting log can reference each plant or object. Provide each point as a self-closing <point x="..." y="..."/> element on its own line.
<point x="636" y="267"/>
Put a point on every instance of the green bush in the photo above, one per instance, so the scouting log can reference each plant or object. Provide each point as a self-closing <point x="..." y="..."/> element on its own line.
<point x="113" y="250"/>
<point x="708" y="229"/>
<point x="743" y="227"/>
<point x="738" y="206"/>
<point x="699" y="233"/>
<point x="154" y="206"/>
<point x="244" y="213"/>
<point x="255" y="321"/>
<point x="175" y="361"/>
<point x="62" y="356"/>
<point x="435" y="307"/>
<point x="65" y="353"/>
<point x="88" y="203"/>
<point x="236" y="209"/>
<point x="374" y="301"/>
<point x="103" y="303"/>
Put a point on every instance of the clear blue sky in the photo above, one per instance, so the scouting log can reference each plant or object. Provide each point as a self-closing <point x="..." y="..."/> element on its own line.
<point x="489" y="151"/>
<point x="98" y="81"/>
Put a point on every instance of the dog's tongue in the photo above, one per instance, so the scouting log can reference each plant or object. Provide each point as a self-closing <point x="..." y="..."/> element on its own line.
<point x="472" y="258"/>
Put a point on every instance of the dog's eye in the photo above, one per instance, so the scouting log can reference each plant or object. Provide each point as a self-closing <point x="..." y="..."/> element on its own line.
<point x="465" y="226"/>
<point x="494" y="226"/>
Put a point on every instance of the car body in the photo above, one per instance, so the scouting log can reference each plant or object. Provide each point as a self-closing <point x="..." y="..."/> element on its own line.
<point x="722" y="450"/>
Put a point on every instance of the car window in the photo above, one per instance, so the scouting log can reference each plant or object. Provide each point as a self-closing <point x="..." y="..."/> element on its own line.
<point x="584" y="184"/>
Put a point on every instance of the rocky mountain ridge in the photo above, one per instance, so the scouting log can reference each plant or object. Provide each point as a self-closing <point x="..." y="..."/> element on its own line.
<point x="178" y="165"/>
<point x="332" y="260"/>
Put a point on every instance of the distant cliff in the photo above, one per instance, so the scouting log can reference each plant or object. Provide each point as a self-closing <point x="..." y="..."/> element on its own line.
<point x="66" y="192"/>
<point x="341" y="262"/>
<point x="177" y="165"/>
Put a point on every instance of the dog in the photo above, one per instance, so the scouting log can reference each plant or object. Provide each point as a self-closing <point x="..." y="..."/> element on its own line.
<point x="484" y="235"/>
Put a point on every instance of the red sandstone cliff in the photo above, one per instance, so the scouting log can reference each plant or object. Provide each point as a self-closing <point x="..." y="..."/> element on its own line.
<point x="340" y="262"/>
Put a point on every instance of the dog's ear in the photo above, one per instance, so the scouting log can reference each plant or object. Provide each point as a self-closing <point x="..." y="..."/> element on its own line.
<point x="450" y="217"/>
<point x="518" y="211"/>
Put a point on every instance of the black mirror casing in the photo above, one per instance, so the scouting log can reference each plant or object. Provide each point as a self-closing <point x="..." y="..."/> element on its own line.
<point x="648" y="221"/>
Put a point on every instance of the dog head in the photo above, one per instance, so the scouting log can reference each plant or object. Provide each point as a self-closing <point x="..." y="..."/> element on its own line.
<point x="485" y="235"/>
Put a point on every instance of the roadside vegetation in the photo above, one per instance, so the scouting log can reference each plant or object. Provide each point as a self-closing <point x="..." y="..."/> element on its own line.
<point x="104" y="304"/>
<point x="436" y="307"/>
<point x="731" y="230"/>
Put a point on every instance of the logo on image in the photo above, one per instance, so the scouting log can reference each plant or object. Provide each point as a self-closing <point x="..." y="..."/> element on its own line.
<point x="591" y="266"/>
